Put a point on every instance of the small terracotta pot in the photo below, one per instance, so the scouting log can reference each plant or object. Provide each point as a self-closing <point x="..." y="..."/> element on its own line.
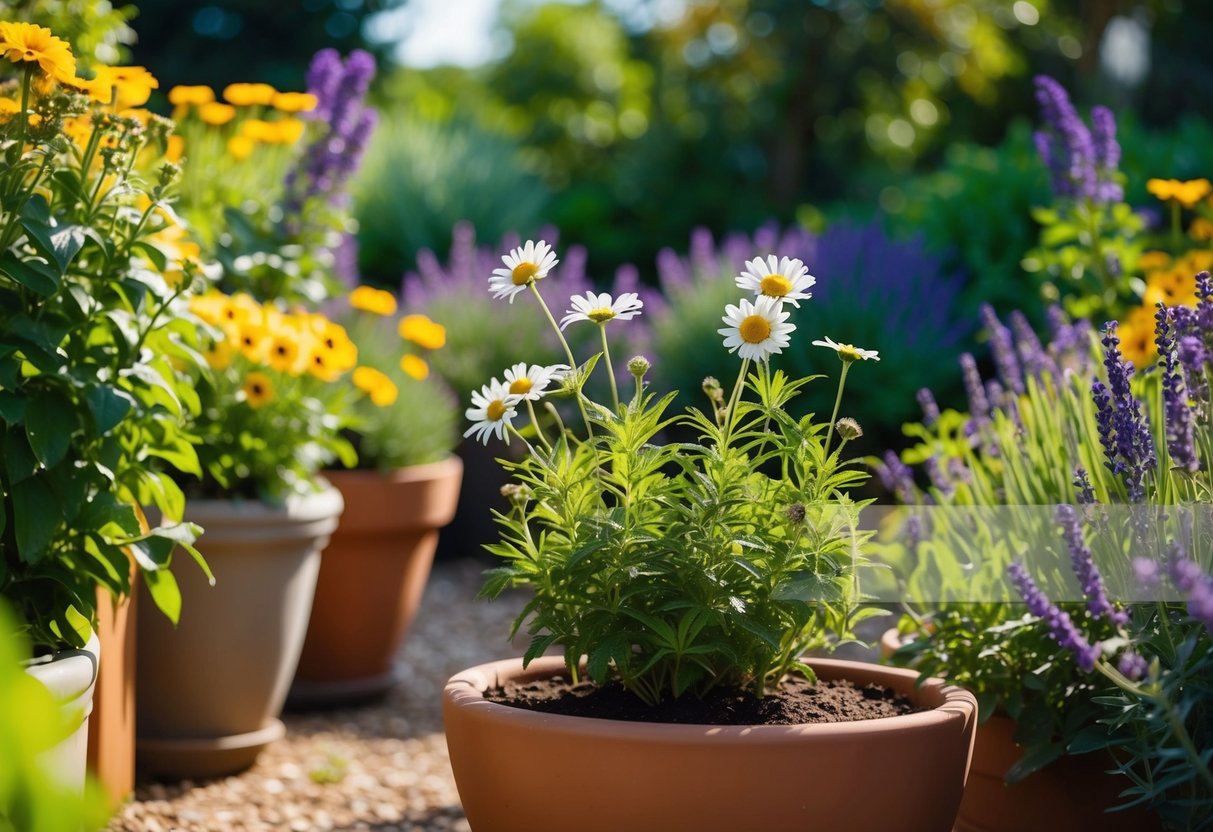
<point x="371" y="579"/>
<point x="1069" y="794"/>
<point x="70" y="676"/>
<point x="209" y="691"/>
<point x="525" y="771"/>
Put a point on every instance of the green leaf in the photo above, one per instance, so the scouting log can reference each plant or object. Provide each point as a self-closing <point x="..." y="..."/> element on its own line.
<point x="49" y="424"/>
<point x="165" y="592"/>
<point x="36" y="515"/>
<point x="34" y="275"/>
<point x="154" y="254"/>
<point x="12" y="408"/>
<point x="19" y="461"/>
<point x="109" y="407"/>
<point x="1033" y="759"/>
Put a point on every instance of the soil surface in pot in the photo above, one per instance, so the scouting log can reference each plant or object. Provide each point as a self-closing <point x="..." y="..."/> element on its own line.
<point x="797" y="702"/>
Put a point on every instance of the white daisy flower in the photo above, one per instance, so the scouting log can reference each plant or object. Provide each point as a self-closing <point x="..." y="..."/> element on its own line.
<point x="756" y="330"/>
<point x="847" y="352"/>
<point x="532" y="382"/>
<point x="785" y="280"/>
<point x="492" y="410"/>
<point x="524" y="265"/>
<point x="600" y="308"/>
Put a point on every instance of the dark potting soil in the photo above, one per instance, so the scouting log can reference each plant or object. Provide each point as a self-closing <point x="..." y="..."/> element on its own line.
<point x="797" y="702"/>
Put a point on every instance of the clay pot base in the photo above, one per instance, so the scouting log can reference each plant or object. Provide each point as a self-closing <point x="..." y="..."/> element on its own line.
<point x="797" y="702"/>
<point x="200" y="759"/>
<point x="307" y="694"/>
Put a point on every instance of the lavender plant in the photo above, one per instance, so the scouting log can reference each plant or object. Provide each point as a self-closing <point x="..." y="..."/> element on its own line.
<point x="1072" y="424"/>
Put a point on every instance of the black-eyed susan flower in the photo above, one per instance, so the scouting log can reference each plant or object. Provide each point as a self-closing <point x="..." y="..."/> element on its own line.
<point x="258" y="390"/>
<point x="523" y="266"/>
<point x="219" y="354"/>
<point x="422" y="331"/>
<point x="376" y="385"/>
<point x="1186" y="193"/>
<point x="848" y="353"/>
<point x="283" y="352"/>
<point x="787" y="280"/>
<point x="375" y="301"/>
<point x="249" y="95"/>
<point x="601" y="308"/>
<point x="124" y="86"/>
<point x="294" y="102"/>
<point x="253" y="341"/>
<point x="756" y="330"/>
<point x="1136" y="334"/>
<point x="415" y="367"/>
<point x="492" y="411"/>
<point x="29" y="43"/>
<point x="533" y="381"/>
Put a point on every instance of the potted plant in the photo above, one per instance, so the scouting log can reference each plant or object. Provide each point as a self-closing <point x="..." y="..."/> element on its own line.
<point x="677" y="577"/>
<point x="404" y="489"/>
<point x="264" y="190"/>
<point x="92" y="396"/>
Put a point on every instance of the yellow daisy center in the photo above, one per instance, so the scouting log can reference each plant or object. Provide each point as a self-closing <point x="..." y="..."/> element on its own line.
<point x="495" y="410"/>
<point x="755" y="329"/>
<point x="848" y="352"/>
<point x="523" y="273"/>
<point x="601" y="314"/>
<point x="521" y="386"/>
<point x="775" y="286"/>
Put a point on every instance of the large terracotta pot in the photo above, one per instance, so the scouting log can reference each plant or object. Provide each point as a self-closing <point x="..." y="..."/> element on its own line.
<point x="1070" y="794"/>
<point x="70" y="676"/>
<point x="209" y="692"/>
<point x="111" y="728"/>
<point x="525" y="771"/>
<point x="371" y="579"/>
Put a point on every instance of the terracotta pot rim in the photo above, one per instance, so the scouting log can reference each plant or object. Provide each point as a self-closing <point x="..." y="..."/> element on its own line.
<point x="408" y="474"/>
<point x="465" y="690"/>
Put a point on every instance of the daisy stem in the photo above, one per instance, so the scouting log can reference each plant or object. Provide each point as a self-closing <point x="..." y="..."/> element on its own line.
<point x="529" y="446"/>
<point x="551" y="408"/>
<point x="610" y="368"/>
<point x="842" y="381"/>
<point x="734" y="397"/>
<point x="585" y="417"/>
<point x="543" y="440"/>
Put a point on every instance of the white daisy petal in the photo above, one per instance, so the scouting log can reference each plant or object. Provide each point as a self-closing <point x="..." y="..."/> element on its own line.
<point x="601" y="308"/>
<point x="786" y="280"/>
<point x="756" y="330"/>
<point x="493" y="410"/>
<point x="532" y="382"/>
<point x="524" y="265"/>
<point x="848" y="353"/>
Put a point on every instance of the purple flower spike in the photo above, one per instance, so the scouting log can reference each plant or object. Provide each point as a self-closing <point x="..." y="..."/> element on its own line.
<point x="1061" y="628"/>
<point x="1003" y="348"/>
<point x="897" y="478"/>
<point x="1086" y="570"/>
<point x="1123" y="430"/>
<point x="1181" y="437"/>
<point x="930" y="408"/>
<point x="1107" y="155"/>
<point x="979" y="405"/>
<point x="1189" y="579"/>
<point x="1132" y="665"/>
<point x="1086" y="494"/>
<point x="1082" y="161"/>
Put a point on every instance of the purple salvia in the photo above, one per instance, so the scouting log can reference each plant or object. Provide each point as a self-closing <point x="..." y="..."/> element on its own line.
<point x="1189" y="579"/>
<point x="930" y="408"/>
<point x="1132" y="665"/>
<point x="979" y="406"/>
<point x="1177" y="414"/>
<point x="1003" y="348"/>
<point x="1061" y="628"/>
<point x="1082" y="482"/>
<point x="1085" y="569"/>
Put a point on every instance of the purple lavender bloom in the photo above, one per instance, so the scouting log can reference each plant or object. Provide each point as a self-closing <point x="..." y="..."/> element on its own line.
<point x="1107" y="155"/>
<point x="1036" y="362"/>
<point x="1082" y="481"/>
<point x="1103" y="424"/>
<point x="1065" y="143"/>
<point x="1085" y="569"/>
<point x="1177" y="414"/>
<point x="323" y="78"/>
<point x="930" y="408"/>
<point x="937" y="477"/>
<point x="1132" y="665"/>
<point x="959" y="472"/>
<point x="1003" y="348"/>
<point x="1134" y="444"/>
<point x="897" y="478"/>
<point x="1147" y="573"/>
<point x="1061" y="628"/>
<point x="995" y="395"/>
<point x="1189" y="579"/>
<point x="979" y="405"/>
<point x="1204" y="304"/>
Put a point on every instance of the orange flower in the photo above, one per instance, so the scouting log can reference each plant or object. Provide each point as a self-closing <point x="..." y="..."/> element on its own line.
<point x="375" y="301"/>
<point x="376" y="385"/>
<point x="28" y="43"/>
<point x="1185" y="193"/>
<point x="423" y="332"/>
<point x="258" y="390"/>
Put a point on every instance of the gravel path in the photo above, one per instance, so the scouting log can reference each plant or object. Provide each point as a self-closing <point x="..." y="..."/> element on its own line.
<point x="382" y="767"/>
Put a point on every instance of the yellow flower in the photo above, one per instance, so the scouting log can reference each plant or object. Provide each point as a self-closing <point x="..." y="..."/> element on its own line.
<point x="1185" y="193"/>
<point x="288" y="130"/>
<point x="175" y="149"/>
<point x="259" y="131"/>
<point x="209" y="307"/>
<point x="240" y="147"/>
<point x="283" y="352"/>
<point x="247" y="95"/>
<point x="423" y="332"/>
<point x="294" y="102"/>
<point x="415" y="367"/>
<point x="1201" y="229"/>
<point x="376" y="385"/>
<point x="375" y="301"/>
<point x="253" y="341"/>
<point x="258" y="390"/>
<point x="28" y="43"/>
<point x="219" y="356"/>
<point x="182" y="95"/>
<point x="216" y="113"/>
<point x="1154" y="260"/>
<point x="1137" y="336"/>
<point x="1171" y="288"/>
<point x="124" y="86"/>
<point x="9" y="108"/>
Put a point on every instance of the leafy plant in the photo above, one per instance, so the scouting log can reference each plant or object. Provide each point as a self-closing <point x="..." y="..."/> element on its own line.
<point x="681" y="567"/>
<point x="93" y="278"/>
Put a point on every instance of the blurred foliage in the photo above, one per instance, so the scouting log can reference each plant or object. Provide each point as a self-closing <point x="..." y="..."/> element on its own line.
<point x="97" y="31"/>
<point x="218" y="42"/>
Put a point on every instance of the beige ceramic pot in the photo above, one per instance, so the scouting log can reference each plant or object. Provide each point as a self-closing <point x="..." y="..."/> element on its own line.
<point x="209" y="692"/>
<point x="524" y="771"/>
<point x="1068" y="795"/>
<point x="372" y="577"/>
<point x="71" y="677"/>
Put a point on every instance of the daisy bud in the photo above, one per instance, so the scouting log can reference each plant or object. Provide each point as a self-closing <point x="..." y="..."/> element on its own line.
<point x="713" y="390"/>
<point x="848" y="429"/>
<point x="518" y="495"/>
<point x="639" y="366"/>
